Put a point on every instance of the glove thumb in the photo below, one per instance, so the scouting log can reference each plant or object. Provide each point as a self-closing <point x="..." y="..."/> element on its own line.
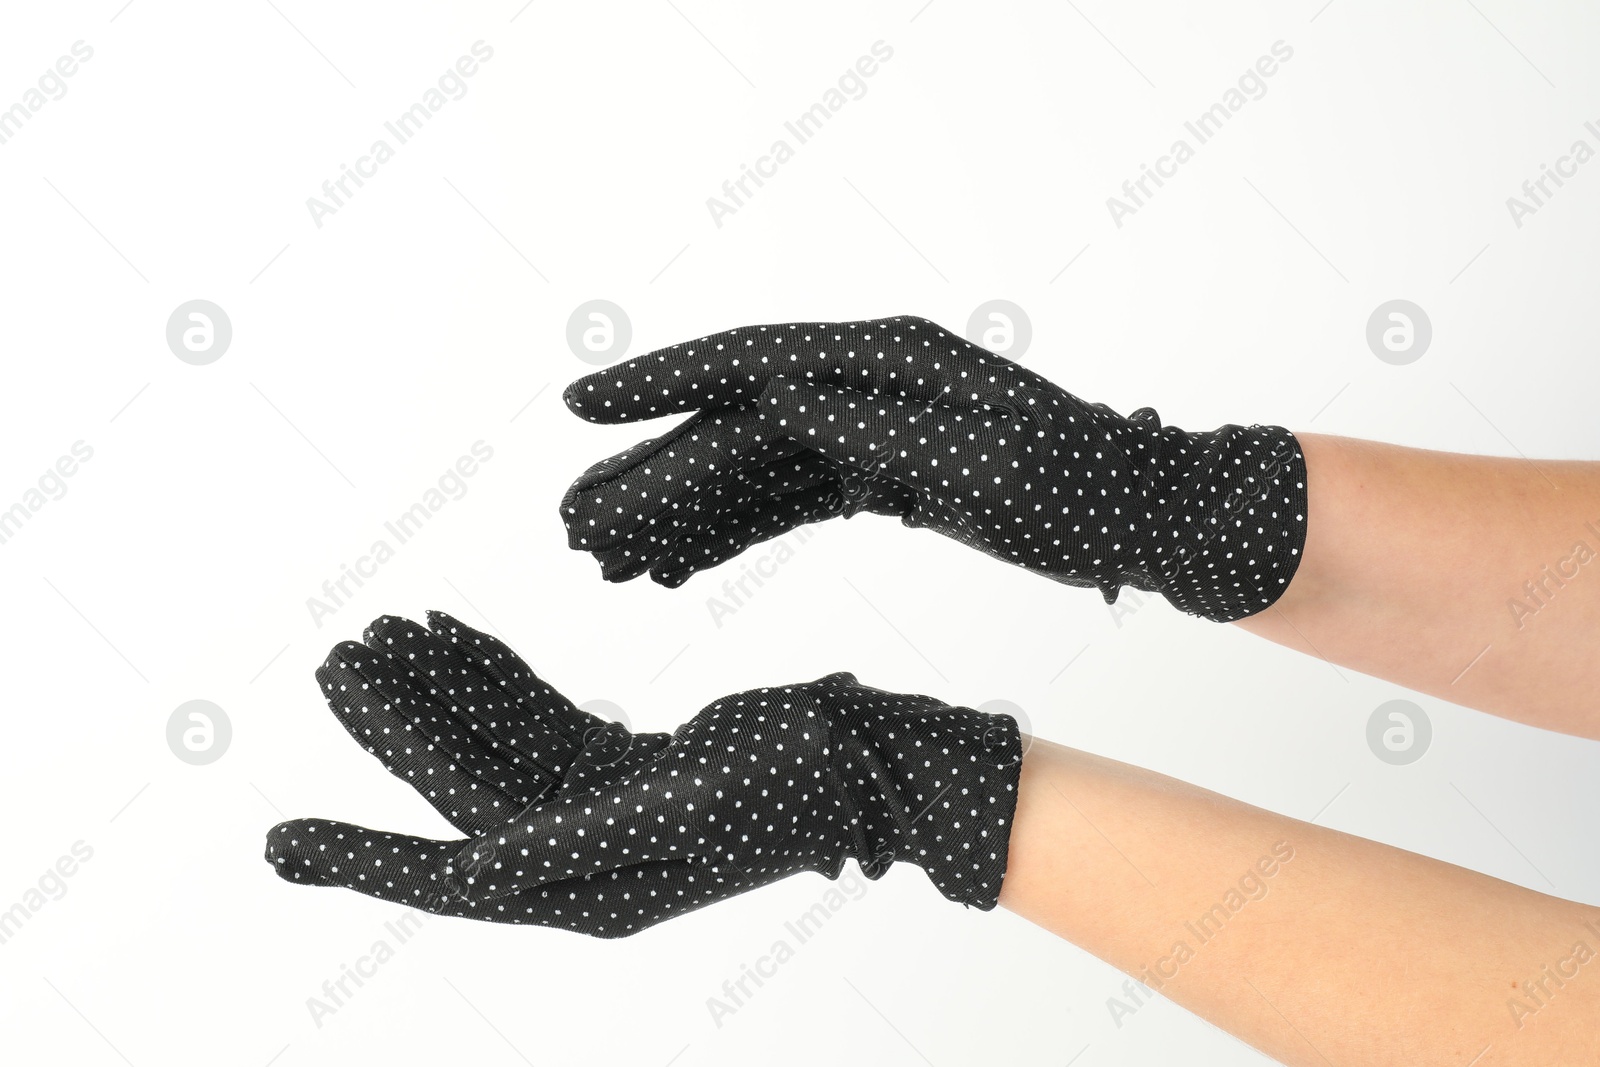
<point x="414" y="871"/>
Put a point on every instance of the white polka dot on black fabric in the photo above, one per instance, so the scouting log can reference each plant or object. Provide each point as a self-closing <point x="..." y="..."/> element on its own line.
<point x="572" y="830"/>
<point x="799" y="422"/>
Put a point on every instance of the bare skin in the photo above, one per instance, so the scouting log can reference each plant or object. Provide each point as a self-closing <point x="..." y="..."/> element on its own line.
<point x="1314" y="946"/>
<point x="1347" y="952"/>
<point x="1414" y="561"/>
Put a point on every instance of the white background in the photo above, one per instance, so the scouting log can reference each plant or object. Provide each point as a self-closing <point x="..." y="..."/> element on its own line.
<point x="429" y="313"/>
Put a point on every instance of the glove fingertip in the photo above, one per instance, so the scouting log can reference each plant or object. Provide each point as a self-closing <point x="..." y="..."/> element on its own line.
<point x="672" y="579"/>
<point x="612" y="573"/>
<point x="448" y="626"/>
<point x="583" y="400"/>
<point x="344" y="656"/>
<point x="297" y="850"/>
<point x="572" y="396"/>
<point x="377" y="633"/>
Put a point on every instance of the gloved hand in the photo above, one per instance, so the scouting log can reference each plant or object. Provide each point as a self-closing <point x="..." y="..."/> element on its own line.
<point x="624" y="831"/>
<point x="802" y="421"/>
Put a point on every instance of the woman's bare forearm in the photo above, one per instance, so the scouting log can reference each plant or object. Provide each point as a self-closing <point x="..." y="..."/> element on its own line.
<point x="1471" y="578"/>
<point x="1314" y="946"/>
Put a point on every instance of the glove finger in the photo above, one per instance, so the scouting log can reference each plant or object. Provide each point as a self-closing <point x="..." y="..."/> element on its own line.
<point x="423" y="652"/>
<point x="701" y="549"/>
<point x="905" y="356"/>
<point x="618" y="496"/>
<point x="373" y="676"/>
<point x="610" y="756"/>
<point x="708" y="439"/>
<point x="544" y="708"/>
<point x="424" y="665"/>
<point x="406" y="870"/>
<point x="496" y="659"/>
<point x="424" y="749"/>
<point x="921" y="445"/>
<point x="737" y="492"/>
<point x="621" y="902"/>
<point x="609" y="905"/>
<point x="580" y="834"/>
<point x="396" y="867"/>
<point x="406" y="751"/>
<point x="362" y="678"/>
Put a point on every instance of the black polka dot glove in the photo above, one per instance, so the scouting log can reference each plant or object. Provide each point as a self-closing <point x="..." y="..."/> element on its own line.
<point x="579" y="824"/>
<point x="799" y="422"/>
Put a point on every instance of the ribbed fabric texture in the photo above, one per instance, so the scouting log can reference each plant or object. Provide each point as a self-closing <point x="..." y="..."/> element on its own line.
<point x="799" y="422"/>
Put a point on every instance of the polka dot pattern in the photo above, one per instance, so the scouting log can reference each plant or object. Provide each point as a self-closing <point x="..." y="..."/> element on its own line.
<point x="581" y="825"/>
<point x="799" y="422"/>
<point x="459" y="716"/>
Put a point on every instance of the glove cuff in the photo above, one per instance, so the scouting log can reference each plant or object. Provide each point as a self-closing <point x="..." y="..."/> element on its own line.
<point x="937" y="789"/>
<point x="1232" y="536"/>
<point x="1226" y="516"/>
